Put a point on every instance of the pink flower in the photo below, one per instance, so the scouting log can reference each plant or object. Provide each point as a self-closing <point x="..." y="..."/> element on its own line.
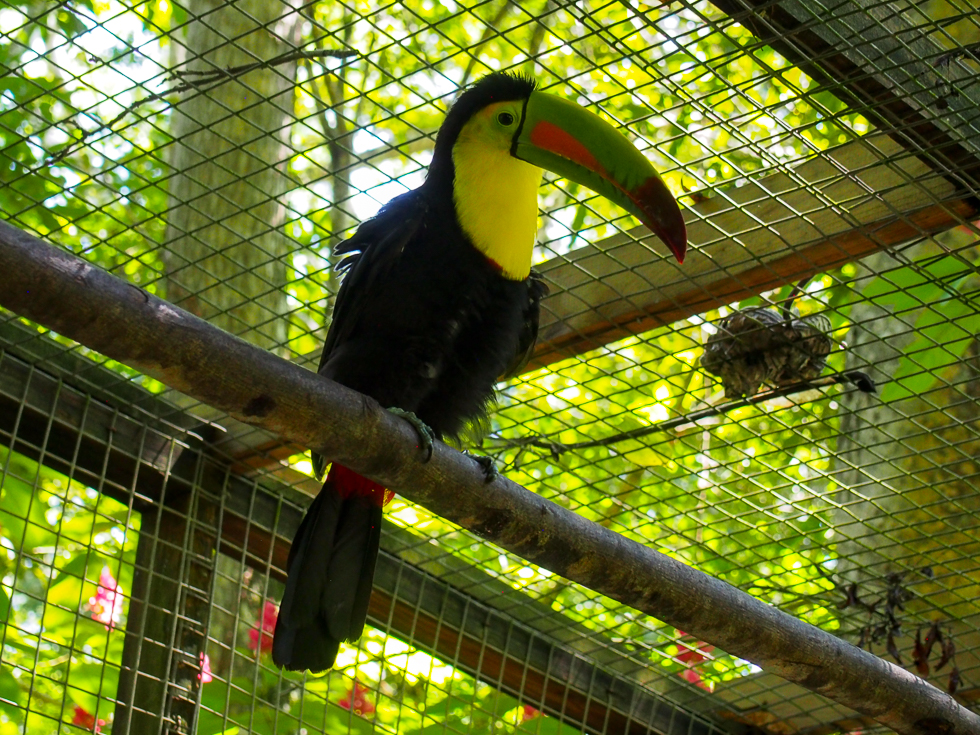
<point x="205" y="676"/>
<point x="693" y="676"/>
<point x="694" y="656"/>
<point x="106" y="607"/>
<point x="357" y="701"/>
<point x="260" y="637"/>
<point x="84" y="718"/>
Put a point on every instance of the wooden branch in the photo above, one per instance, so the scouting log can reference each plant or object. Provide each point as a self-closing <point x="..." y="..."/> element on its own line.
<point x="200" y="82"/>
<point x="498" y="445"/>
<point x="78" y="300"/>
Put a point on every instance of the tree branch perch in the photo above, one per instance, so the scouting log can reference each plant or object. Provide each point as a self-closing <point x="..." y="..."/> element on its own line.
<point x="75" y="298"/>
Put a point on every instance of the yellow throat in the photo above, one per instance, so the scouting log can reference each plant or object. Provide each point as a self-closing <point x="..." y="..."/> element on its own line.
<point x="496" y="195"/>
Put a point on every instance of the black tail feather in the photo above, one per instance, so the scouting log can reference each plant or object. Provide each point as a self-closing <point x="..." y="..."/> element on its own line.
<point x="351" y="565"/>
<point x="365" y="583"/>
<point x="330" y="573"/>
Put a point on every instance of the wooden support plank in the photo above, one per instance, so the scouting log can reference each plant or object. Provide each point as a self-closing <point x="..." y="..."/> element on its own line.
<point x="844" y="205"/>
<point x="168" y="615"/>
<point x="95" y="443"/>
<point x="873" y="58"/>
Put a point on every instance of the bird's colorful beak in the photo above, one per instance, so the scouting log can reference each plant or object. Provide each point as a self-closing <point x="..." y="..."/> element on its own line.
<point x="562" y="137"/>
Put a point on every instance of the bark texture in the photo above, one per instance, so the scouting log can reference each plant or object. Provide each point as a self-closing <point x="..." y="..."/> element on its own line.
<point x="909" y="468"/>
<point x="225" y="252"/>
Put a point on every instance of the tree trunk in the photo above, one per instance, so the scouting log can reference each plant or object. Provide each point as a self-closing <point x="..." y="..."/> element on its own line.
<point x="225" y="251"/>
<point x="907" y="472"/>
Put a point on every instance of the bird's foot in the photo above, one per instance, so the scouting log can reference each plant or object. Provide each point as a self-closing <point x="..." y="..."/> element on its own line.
<point x="427" y="437"/>
<point x="862" y="381"/>
<point x="486" y="464"/>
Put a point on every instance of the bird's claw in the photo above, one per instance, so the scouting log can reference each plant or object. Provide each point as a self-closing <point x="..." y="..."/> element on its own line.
<point x="427" y="437"/>
<point x="487" y="464"/>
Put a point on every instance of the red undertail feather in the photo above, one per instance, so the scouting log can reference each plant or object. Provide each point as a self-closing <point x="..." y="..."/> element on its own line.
<point x="348" y="483"/>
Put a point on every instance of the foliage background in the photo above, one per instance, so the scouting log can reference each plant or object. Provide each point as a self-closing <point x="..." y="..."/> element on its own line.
<point x="752" y="497"/>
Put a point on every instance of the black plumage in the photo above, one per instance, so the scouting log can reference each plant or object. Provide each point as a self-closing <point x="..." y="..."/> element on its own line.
<point x="423" y="322"/>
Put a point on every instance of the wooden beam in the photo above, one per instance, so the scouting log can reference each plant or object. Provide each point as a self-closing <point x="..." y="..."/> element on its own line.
<point x="883" y="67"/>
<point x="842" y="206"/>
<point x="872" y="57"/>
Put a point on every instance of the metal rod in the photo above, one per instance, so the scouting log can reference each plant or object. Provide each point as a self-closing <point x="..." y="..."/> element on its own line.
<point x="78" y="300"/>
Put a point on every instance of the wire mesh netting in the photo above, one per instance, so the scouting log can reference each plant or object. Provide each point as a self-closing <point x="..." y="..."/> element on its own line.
<point x="827" y="156"/>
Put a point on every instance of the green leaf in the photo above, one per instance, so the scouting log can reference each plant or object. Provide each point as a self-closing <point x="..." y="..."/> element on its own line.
<point x="947" y="322"/>
<point x="4" y="605"/>
<point x="11" y="696"/>
<point x="18" y="505"/>
<point x="89" y="684"/>
<point x="75" y="570"/>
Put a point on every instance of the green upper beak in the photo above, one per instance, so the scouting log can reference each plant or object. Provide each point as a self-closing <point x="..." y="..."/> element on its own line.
<point x="562" y="137"/>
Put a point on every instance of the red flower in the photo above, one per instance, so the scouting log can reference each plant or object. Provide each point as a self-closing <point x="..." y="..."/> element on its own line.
<point x="529" y="713"/>
<point x="107" y="604"/>
<point x="693" y="676"/>
<point x="84" y="718"/>
<point x="205" y="676"/>
<point x="260" y="637"/>
<point x="357" y="701"/>
<point x="692" y="656"/>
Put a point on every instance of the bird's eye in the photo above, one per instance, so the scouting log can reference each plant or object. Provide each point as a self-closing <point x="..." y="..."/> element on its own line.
<point x="506" y="119"/>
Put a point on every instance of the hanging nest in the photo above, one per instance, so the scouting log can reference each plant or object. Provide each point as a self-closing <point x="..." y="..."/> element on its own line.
<point x="757" y="347"/>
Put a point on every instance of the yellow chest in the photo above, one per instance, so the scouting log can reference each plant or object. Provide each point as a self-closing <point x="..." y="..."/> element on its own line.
<point x="496" y="198"/>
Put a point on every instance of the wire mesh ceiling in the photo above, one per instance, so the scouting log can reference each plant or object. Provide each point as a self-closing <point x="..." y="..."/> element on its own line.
<point x="827" y="155"/>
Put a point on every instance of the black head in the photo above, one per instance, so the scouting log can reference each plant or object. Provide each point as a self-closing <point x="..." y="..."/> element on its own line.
<point x="496" y="87"/>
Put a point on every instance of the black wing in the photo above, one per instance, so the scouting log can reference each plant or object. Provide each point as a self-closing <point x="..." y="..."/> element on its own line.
<point x="537" y="289"/>
<point x="373" y="249"/>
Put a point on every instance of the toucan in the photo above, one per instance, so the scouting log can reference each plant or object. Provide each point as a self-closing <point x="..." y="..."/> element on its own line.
<point x="439" y="302"/>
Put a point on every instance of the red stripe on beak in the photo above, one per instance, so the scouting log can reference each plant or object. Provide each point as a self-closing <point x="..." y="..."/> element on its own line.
<point x="657" y="207"/>
<point x="550" y="137"/>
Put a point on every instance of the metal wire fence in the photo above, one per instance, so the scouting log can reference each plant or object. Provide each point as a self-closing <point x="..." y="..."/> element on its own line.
<point x="827" y="155"/>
